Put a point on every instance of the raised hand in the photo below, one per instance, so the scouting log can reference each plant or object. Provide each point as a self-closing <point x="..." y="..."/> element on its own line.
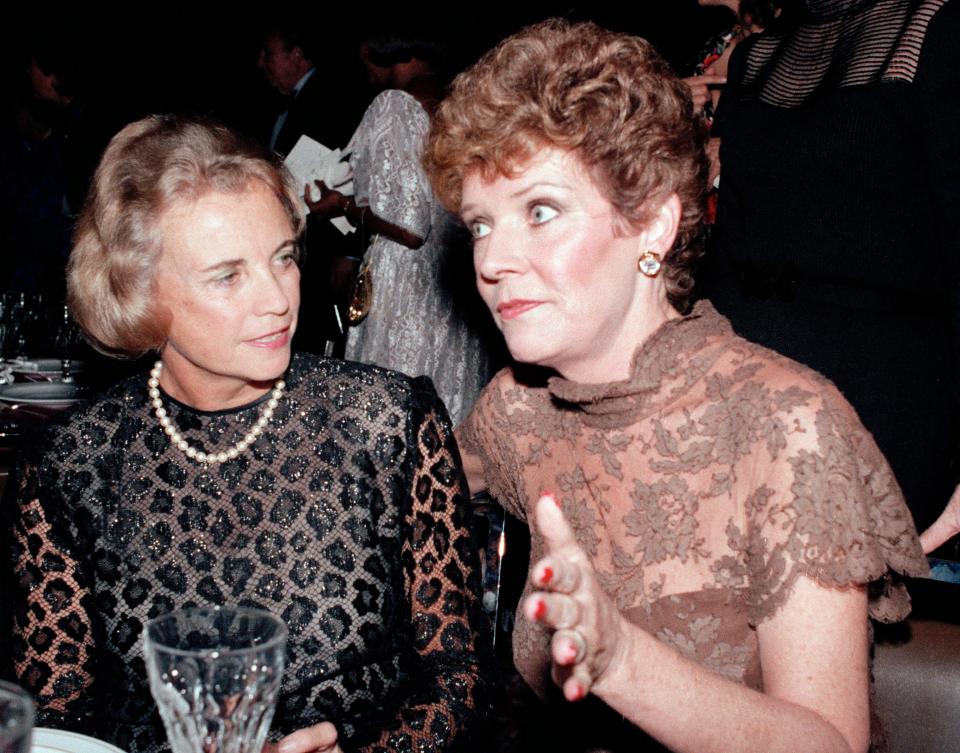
<point x="700" y="88"/>
<point x="589" y="631"/>
<point x="330" y="204"/>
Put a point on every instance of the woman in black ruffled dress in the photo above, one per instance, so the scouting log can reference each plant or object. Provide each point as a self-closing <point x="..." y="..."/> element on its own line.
<point x="837" y="231"/>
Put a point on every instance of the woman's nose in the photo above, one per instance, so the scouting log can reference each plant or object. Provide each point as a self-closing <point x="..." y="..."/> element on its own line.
<point x="499" y="254"/>
<point x="272" y="295"/>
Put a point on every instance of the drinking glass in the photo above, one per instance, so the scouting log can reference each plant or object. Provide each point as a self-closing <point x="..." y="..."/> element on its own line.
<point x="215" y="674"/>
<point x="16" y="719"/>
<point x="66" y="340"/>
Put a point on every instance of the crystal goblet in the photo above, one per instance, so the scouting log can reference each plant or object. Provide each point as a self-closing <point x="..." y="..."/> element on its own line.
<point x="215" y="674"/>
<point x="16" y="719"/>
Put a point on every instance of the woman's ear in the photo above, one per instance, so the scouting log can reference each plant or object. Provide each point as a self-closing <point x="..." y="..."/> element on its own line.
<point x="660" y="231"/>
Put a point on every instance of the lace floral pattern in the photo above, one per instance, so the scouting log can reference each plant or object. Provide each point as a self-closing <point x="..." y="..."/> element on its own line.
<point x="426" y="316"/>
<point x="701" y="488"/>
<point x="347" y="517"/>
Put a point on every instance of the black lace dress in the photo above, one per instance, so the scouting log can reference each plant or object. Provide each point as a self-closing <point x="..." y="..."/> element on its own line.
<point x="347" y="518"/>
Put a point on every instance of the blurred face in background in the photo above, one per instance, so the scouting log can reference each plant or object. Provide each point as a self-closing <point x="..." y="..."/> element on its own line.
<point x="43" y="84"/>
<point x="378" y="75"/>
<point x="282" y="67"/>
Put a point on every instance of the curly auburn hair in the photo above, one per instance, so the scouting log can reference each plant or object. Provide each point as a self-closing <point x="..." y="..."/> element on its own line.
<point x="607" y="97"/>
<point x="148" y="167"/>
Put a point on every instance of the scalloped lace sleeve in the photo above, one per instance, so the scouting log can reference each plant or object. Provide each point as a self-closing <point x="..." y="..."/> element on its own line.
<point x="489" y="452"/>
<point x="832" y="511"/>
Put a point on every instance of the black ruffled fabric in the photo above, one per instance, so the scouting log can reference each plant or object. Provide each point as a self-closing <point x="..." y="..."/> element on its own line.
<point x="835" y="44"/>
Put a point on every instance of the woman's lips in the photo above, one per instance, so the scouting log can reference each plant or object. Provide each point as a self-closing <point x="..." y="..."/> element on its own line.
<point x="277" y="339"/>
<point x="513" y="309"/>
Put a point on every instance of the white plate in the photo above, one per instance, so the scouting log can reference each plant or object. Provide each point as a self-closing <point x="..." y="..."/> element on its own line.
<point x="43" y="394"/>
<point x="47" y="740"/>
<point x="42" y="366"/>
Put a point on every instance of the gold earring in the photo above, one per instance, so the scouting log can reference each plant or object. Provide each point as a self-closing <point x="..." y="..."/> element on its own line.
<point x="649" y="263"/>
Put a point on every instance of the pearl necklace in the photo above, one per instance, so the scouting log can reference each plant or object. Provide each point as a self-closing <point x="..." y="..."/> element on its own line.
<point x="153" y="389"/>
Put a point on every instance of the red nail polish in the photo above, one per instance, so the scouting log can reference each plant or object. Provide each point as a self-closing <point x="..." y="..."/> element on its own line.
<point x="540" y="610"/>
<point x="571" y="653"/>
<point x="577" y="693"/>
<point x="547" y="576"/>
<point x="552" y="496"/>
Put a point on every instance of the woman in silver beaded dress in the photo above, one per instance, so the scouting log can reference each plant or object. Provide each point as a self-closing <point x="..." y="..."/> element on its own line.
<point x="327" y="492"/>
<point x="425" y="317"/>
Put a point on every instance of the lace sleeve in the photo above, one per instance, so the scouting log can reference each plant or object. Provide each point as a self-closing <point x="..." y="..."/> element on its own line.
<point x="445" y="684"/>
<point x="486" y="444"/>
<point x="831" y="511"/>
<point x="52" y="644"/>
<point x="386" y="162"/>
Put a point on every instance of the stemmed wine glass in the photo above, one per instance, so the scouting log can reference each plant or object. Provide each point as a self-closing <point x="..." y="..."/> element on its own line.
<point x="15" y="316"/>
<point x="29" y="325"/>
<point x="67" y="337"/>
<point x="215" y="674"/>
<point x="16" y="719"/>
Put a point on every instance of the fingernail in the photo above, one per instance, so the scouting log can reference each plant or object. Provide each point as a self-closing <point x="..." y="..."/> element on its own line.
<point x="571" y="653"/>
<point x="576" y="693"/>
<point x="546" y="576"/>
<point x="552" y="497"/>
<point x="540" y="610"/>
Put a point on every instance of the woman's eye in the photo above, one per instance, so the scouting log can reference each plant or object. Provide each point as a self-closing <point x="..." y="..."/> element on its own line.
<point x="541" y="213"/>
<point x="286" y="260"/>
<point x="226" y="279"/>
<point x="479" y="229"/>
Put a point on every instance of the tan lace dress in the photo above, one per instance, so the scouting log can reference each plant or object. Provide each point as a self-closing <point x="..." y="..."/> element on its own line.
<point x="701" y="488"/>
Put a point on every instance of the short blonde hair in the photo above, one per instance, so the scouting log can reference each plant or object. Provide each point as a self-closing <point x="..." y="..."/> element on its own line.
<point x="607" y="97"/>
<point x="147" y="168"/>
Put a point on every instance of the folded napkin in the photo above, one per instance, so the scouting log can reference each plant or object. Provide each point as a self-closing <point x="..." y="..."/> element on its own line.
<point x="309" y="160"/>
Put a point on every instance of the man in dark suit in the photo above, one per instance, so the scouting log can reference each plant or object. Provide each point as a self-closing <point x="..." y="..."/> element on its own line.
<point x="315" y="104"/>
<point x="327" y="110"/>
<point x="291" y="71"/>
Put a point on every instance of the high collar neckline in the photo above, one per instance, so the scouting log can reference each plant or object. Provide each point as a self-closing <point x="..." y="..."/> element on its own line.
<point x="662" y="357"/>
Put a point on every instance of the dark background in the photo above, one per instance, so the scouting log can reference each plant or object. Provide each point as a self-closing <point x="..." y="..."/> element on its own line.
<point x="201" y="57"/>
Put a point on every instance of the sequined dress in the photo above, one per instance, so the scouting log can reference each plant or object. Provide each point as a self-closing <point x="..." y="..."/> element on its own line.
<point x="426" y="316"/>
<point x="701" y="488"/>
<point x="346" y="518"/>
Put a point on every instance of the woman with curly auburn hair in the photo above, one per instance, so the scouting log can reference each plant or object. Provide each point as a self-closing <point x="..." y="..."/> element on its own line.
<point x="706" y="516"/>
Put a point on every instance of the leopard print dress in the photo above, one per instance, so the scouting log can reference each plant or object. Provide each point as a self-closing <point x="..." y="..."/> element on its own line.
<point x="347" y="518"/>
